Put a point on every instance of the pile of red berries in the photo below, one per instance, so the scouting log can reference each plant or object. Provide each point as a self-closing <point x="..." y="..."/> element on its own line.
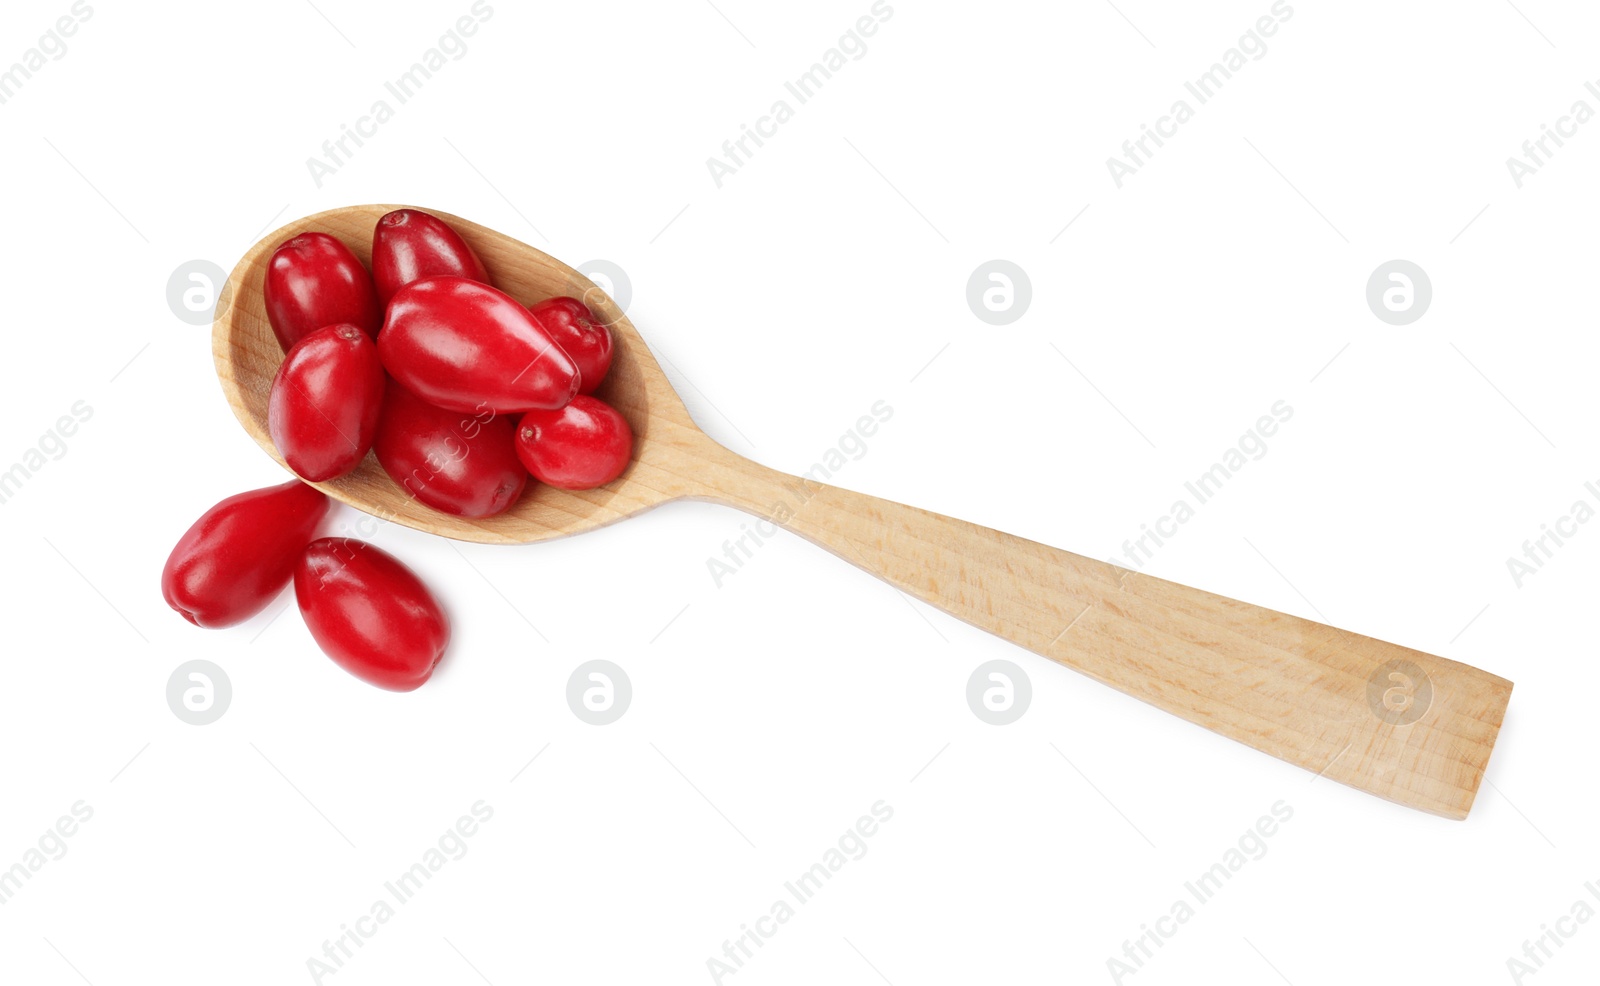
<point x="424" y="362"/>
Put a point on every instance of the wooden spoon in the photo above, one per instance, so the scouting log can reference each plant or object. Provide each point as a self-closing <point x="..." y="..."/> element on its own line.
<point x="1395" y="722"/>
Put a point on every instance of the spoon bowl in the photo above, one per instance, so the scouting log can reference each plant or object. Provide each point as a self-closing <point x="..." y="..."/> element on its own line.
<point x="247" y="356"/>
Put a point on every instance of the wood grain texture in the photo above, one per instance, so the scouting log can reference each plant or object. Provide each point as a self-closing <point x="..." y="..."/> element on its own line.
<point x="1307" y="693"/>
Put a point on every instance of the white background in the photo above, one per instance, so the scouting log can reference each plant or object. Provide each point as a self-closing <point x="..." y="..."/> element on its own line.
<point x="770" y="713"/>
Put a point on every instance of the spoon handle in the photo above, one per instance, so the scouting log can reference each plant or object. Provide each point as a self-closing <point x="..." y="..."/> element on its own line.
<point x="1398" y="723"/>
